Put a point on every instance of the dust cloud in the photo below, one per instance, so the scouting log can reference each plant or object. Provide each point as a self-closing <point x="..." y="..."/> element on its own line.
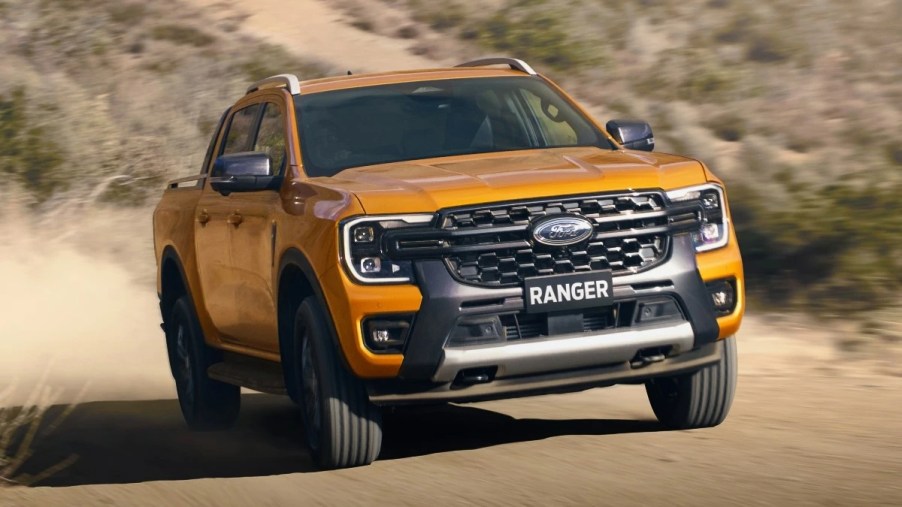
<point x="78" y="309"/>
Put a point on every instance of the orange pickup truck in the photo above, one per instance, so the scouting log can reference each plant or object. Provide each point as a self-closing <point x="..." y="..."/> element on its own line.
<point x="441" y="235"/>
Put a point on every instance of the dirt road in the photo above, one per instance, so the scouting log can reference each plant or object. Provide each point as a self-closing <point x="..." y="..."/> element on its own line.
<point x="319" y="30"/>
<point x="807" y="428"/>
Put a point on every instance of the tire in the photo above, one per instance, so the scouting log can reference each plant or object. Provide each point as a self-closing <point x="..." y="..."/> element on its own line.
<point x="701" y="399"/>
<point x="206" y="404"/>
<point x="343" y="429"/>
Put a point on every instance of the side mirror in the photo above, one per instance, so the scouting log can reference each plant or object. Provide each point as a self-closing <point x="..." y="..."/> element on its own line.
<point x="632" y="134"/>
<point x="243" y="172"/>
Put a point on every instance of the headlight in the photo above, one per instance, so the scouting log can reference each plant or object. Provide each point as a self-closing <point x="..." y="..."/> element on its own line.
<point x="714" y="231"/>
<point x="364" y="255"/>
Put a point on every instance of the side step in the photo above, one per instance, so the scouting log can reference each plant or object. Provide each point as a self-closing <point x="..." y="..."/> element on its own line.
<point x="250" y="372"/>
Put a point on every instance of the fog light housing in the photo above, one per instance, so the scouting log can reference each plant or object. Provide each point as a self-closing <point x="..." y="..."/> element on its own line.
<point x="387" y="334"/>
<point x="723" y="296"/>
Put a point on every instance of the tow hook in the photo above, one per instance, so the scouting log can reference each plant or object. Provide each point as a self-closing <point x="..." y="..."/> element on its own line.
<point x="644" y="359"/>
<point x="474" y="376"/>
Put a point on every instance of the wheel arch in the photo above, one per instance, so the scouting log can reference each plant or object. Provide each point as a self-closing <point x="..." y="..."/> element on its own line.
<point x="173" y="285"/>
<point x="173" y="282"/>
<point x="296" y="281"/>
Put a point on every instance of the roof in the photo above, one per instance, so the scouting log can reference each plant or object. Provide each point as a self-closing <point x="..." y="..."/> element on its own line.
<point x="474" y="69"/>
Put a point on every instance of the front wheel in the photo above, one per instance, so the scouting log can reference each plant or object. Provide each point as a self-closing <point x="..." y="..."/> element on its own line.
<point x="206" y="404"/>
<point x="343" y="428"/>
<point x="700" y="399"/>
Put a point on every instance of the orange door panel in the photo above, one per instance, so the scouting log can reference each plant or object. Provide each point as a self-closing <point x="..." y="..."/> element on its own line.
<point x="252" y="239"/>
<point x="214" y="259"/>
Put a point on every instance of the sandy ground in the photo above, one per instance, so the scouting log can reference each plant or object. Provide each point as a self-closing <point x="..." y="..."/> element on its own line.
<point x="317" y="29"/>
<point x="810" y="426"/>
<point x="803" y="430"/>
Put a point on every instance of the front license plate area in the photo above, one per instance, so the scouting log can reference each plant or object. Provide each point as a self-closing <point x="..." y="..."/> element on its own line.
<point x="571" y="291"/>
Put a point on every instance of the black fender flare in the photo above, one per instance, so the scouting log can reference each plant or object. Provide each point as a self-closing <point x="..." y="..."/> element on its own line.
<point x="293" y="257"/>
<point x="167" y="299"/>
<point x="170" y="255"/>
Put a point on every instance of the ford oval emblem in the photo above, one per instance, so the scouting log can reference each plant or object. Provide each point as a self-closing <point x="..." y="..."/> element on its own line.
<point x="562" y="230"/>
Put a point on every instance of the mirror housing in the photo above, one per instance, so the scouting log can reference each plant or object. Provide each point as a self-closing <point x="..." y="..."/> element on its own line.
<point x="632" y="134"/>
<point x="243" y="172"/>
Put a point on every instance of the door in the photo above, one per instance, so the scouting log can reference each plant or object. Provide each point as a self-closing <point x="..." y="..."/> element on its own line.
<point x="253" y="242"/>
<point x="213" y="232"/>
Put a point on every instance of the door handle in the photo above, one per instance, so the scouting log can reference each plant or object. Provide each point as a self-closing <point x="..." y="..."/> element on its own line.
<point x="203" y="217"/>
<point x="235" y="219"/>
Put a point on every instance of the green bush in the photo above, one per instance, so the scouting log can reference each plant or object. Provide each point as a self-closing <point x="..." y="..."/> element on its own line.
<point x="769" y="48"/>
<point x="127" y="14"/>
<point x="182" y="34"/>
<point x="444" y="18"/>
<point x="836" y="247"/>
<point x="27" y="152"/>
<point x="893" y="153"/>
<point x="266" y="60"/>
<point x="535" y="35"/>
<point x="729" y="126"/>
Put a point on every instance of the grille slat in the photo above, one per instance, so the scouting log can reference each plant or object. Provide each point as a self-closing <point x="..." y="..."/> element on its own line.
<point x="492" y="245"/>
<point x="631" y="234"/>
<point x="525" y="326"/>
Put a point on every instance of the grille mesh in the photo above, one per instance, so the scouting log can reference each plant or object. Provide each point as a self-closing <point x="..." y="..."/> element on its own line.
<point x="628" y="238"/>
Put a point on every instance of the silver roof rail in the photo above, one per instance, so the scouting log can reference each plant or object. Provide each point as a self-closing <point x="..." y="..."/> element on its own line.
<point x="287" y="81"/>
<point x="514" y="63"/>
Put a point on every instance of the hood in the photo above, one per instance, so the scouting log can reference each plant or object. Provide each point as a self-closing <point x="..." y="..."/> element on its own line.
<point x="433" y="184"/>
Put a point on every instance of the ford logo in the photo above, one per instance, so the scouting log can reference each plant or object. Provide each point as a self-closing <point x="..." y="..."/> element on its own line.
<point x="562" y="230"/>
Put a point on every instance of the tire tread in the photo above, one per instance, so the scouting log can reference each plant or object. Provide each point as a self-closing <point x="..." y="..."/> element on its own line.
<point x="352" y="425"/>
<point x="701" y="399"/>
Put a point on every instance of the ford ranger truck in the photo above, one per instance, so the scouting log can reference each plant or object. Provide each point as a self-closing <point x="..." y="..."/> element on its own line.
<point x="441" y="235"/>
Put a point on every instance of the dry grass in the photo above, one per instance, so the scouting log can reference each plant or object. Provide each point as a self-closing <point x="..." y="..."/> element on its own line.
<point x="122" y="89"/>
<point x="21" y="428"/>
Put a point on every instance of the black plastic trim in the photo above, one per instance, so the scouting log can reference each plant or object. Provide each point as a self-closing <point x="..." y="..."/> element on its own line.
<point x="170" y="255"/>
<point x="444" y="301"/>
<point x="294" y="257"/>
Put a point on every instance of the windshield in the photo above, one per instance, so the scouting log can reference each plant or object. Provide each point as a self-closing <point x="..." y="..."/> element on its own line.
<point x="425" y="119"/>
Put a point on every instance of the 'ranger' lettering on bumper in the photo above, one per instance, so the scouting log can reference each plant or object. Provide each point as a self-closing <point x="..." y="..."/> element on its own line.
<point x="568" y="292"/>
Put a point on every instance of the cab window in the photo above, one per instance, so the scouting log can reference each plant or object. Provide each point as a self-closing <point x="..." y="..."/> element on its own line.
<point x="271" y="136"/>
<point x="240" y="135"/>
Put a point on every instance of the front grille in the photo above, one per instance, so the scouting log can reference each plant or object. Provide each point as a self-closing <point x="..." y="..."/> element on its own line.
<point x="524" y="326"/>
<point x="492" y="245"/>
<point x="589" y="207"/>
<point x="483" y="329"/>
<point x="527" y="326"/>
<point x="510" y="266"/>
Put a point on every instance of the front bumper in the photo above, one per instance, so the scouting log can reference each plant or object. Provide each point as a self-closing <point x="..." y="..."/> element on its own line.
<point x="398" y="392"/>
<point x="564" y="352"/>
<point x="433" y="363"/>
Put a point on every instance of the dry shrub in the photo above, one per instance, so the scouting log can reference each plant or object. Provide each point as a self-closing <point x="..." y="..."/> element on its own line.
<point x="182" y="34"/>
<point x="21" y="427"/>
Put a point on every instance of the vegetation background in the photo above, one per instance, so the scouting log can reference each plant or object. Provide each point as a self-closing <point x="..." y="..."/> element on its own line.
<point x="795" y="104"/>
